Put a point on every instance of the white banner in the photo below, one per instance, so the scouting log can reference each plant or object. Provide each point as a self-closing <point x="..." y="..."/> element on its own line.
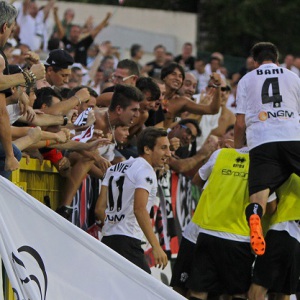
<point x="85" y="135"/>
<point x="47" y="257"/>
<point x="82" y="118"/>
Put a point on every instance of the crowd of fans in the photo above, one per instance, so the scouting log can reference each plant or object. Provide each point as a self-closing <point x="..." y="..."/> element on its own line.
<point x="79" y="105"/>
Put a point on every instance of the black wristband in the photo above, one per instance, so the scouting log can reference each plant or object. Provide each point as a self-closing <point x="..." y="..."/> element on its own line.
<point x="65" y="120"/>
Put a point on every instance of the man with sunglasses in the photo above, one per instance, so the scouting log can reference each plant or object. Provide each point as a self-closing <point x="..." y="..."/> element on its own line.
<point x="186" y="160"/>
<point x="186" y="131"/>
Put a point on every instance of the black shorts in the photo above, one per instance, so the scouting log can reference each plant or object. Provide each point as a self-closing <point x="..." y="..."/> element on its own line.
<point x="183" y="265"/>
<point x="278" y="269"/>
<point x="128" y="247"/>
<point x="272" y="163"/>
<point x="221" y="266"/>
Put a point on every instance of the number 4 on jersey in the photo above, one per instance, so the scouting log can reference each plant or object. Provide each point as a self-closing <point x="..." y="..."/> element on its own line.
<point x="276" y="98"/>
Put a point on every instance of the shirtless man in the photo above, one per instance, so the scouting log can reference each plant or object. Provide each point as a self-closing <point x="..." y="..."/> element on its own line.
<point x="151" y="93"/>
<point x="124" y="107"/>
<point x="173" y="76"/>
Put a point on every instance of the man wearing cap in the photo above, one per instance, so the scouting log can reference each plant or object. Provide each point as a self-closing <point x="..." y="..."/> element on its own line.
<point x="58" y="69"/>
<point x="77" y="74"/>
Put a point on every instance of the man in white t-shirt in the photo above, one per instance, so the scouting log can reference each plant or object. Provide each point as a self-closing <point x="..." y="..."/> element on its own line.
<point x="31" y="21"/>
<point x="127" y="192"/>
<point x="268" y="106"/>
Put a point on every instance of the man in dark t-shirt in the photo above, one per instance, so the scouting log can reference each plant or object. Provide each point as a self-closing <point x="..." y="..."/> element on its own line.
<point x="74" y="42"/>
<point x="154" y="67"/>
<point x="185" y="58"/>
<point x="80" y="47"/>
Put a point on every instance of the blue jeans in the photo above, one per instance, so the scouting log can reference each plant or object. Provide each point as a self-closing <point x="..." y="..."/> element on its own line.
<point x="17" y="154"/>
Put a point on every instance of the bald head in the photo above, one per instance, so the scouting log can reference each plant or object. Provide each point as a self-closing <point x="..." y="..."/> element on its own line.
<point x="189" y="86"/>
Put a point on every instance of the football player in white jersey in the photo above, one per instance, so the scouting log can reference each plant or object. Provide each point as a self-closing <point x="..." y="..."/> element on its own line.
<point x="126" y="196"/>
<point x="268" y="106"/>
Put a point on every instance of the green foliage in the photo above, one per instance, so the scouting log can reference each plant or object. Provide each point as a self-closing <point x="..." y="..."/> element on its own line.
<point x="235" y="25"/>
<point x="175" y="5"/>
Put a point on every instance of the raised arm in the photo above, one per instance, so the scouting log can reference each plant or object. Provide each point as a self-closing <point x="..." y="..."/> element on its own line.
<point x="47" y="8"/>
<point x="207" y="109"/>
<point x="240" y="131"/>
<point x="60" y="28"/>
<point x="100" y="26"/>
<point x="9" y="81"/>
<point x="93" y="69"/>
<point x="63" y="107"/>
<point x="25" y="6"/>
<point x="103" y="100"/>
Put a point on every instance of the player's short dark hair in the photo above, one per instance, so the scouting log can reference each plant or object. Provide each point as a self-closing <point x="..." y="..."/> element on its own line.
<point x="159" y="46"/>
<point x="148" y="137"/>
<point x="44" y="96"/>
<point x="130" y="65"/>
<point x="188" y="44"/>
<point x="265" y="51"/>
<point x="124" y="95"/>
<point x="165" y="71"/>
<point x="73" y="91"/>
<point x="64" y="92"/>
<point x="134" y="49"/>
<point x="147" y="84"/>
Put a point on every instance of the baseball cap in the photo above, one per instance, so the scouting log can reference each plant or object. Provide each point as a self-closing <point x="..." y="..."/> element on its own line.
<point x="59" y="58"/>
<point x="16" y="52"/>
<point x="80" y="66"/>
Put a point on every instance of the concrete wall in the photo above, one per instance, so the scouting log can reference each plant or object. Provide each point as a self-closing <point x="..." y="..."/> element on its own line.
<point x="147" y="27"/>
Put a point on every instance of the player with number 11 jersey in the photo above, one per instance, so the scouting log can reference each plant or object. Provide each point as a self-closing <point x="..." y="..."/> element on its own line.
<point x="126" y="196"/>
<point x="132" y="174"/>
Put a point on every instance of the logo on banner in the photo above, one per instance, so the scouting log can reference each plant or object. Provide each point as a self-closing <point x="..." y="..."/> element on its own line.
<point x="30" y="267"/>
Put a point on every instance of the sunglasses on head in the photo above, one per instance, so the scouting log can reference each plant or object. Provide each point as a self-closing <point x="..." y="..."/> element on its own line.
<point x="189" y="132"/>
<point x="225" y="88"/>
